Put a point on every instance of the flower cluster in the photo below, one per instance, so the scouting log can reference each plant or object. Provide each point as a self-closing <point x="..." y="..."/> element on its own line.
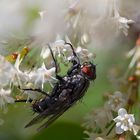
<point x="14" y="75"/>
<point x="85" y="22"/>
<point x="122" y="23"/>
<point x="78" y="13"/>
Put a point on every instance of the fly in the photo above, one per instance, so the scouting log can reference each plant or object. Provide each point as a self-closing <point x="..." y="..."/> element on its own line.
<point x="66" y="92"/>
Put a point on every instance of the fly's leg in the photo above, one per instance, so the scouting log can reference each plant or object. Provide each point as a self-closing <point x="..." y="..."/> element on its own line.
<point x="75" y="61"/>
<point x="73" y="69"/>
<point x="35" y="90"/>
<point x="60" y="78"/>
<point x="23" y="101"/>
<point x="74" y="53"/>
<point x="76" y="58"/>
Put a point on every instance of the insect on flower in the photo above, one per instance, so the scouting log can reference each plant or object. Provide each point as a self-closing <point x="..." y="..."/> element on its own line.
<point x="66" y="92"/>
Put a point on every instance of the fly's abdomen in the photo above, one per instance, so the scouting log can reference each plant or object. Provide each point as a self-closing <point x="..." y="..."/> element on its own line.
<point x="40" y="106"/>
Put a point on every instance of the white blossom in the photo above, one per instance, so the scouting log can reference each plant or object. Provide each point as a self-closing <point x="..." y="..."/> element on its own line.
<point x="42" y="75"/>
<point x="123" y="24"/>
<point x="98" y="118"/>
<point x="45" y="53"/>
<point x="61" y="48"/>
<point x="116" y="101"/>
<point x="5" y="97"/>
<point x="124" y="121"/>
<point x="61" y="51"/>
<point x="112" y="12"/>
<point x="7" y="71"/>
<point x="84" y="54"/>
<point x="19" y="76"/>
<point x="85" y="38"/>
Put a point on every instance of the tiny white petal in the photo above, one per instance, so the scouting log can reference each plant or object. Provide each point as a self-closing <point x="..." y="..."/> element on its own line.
<point x="118" y="124"/>
<point x="119" y="130"/>
<point x="122" y="112"/>
<point x="5" y="97"/>
<point x="45" y="52"/>
<point x="125" y="128"/>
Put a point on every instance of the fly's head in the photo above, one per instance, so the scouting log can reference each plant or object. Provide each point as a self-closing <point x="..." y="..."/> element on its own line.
<point x="88" y="69"/>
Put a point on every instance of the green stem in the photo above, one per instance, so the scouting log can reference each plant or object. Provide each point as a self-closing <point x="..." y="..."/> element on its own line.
<point x="110" y="129"/>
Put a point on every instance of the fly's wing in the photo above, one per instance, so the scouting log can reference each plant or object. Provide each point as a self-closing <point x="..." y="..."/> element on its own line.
<point x="52" y="118"/>
<point x="51" y="114"/>
<point x="64" y="107"/>
<point x="37" y="119"/>
<point x="45" y="114"/>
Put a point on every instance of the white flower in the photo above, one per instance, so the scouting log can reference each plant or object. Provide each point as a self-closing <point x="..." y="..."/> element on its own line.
<point x="84" y="54"/>
<point x="7" y="71"/>
<point x="98" y="118"/>
<point x="123" y="24"/>
<point x="62" y="49"/>
<point x="59" y="48"/>
<point x="11" y="74"/>
<point x="116" y="101"/>
<point x="5" y="97"/>
<point x="42" y="75"/>
<point x="19" y="77"/>
<point x="124" y="121"/>
<point x="113" y="13"/>
<point x="84" y="39"/>
<point x="45" y="52"/>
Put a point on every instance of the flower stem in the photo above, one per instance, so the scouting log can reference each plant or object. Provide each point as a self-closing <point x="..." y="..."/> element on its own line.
<point x="110" y="129"/>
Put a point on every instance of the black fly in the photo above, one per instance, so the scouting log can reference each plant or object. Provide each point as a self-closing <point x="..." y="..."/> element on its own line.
<point x="66" y="92"/>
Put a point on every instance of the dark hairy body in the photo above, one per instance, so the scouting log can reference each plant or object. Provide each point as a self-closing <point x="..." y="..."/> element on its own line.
<point x="69" y="90"/>
<point x="66" y="92"/>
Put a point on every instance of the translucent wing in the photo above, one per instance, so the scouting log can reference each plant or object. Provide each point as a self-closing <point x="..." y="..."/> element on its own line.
<point x="51" y="113"/>
<point x="37" y="119"/>
<point x="53" y="118"/>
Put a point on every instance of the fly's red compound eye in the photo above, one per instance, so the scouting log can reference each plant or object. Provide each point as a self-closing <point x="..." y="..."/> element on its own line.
<point x="89" y="70"/>
<point x="86" y="70"/>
